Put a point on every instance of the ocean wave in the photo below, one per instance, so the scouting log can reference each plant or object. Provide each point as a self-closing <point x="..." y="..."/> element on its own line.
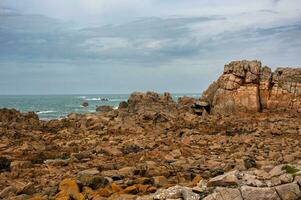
<point x="117" y="99"/>
<point x="45" y="112"/>
<point x="104" y="99"/>
<point x="81" y="97"/>
<point x="93" y="99"/>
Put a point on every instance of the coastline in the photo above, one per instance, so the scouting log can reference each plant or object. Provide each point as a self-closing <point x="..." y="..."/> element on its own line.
<point x="152" y="147"/>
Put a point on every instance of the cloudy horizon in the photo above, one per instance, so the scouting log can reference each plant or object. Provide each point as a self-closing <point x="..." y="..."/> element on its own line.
<point x="101" y="46"/>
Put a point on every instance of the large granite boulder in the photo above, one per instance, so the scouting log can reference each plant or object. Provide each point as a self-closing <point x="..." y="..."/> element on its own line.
<point x="246" y="86"/>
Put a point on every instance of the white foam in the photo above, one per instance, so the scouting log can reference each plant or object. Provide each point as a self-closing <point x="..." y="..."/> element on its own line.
<point x="93" y="99"/>
<point x="45" y="112"/>
<point x="117" y="99"/>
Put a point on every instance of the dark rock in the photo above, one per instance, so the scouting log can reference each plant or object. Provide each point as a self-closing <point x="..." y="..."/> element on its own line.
<point x="249" y="162"/>
<point x="85" y="104"/>
<point x="123" y="105"/>
<point x="4" y="164"/>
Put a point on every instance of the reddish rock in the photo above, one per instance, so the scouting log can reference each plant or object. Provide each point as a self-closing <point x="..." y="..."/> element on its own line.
<point x="246" y="86"/>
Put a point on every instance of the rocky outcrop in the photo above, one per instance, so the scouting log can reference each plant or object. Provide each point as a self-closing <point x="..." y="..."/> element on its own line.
<point x="246" y="86"/>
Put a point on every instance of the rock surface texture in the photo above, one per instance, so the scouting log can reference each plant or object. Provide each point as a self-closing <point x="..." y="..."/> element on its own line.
<point x="246" y="86"/>
<point x="153" y="147"/>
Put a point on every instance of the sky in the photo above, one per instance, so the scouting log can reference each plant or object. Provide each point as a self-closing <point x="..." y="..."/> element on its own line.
<point x="121" y="46"/>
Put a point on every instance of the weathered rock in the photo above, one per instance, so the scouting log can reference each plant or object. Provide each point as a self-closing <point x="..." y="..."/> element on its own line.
<point x="56" y="162"/>
<point x="17" y="165"/>
<point x="245" y="86"/>
<point x="221" y="193"/>
<point x="6" y="192"/>
<point x="255" y="193"/>
<point x="69" y="189"/>
<point x="91" y="179"/>
<point x="228" y="179"/>
<point x="176" y="192"/>
<point x="289" y="191"/>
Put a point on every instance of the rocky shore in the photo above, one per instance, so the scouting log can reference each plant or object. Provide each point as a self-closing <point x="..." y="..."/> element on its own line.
<point x="240" y="140"/>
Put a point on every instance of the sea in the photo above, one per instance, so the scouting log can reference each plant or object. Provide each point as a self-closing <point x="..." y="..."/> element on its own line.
<point x="59" y="106"/>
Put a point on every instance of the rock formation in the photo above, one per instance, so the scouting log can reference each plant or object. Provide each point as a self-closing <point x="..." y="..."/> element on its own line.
<point x="246" y="86"/>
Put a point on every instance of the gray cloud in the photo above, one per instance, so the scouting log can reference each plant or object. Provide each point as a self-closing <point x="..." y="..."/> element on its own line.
<point x="178" y="53"/>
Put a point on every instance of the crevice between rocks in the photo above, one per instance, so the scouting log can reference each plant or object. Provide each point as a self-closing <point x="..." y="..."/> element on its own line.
<point x="277" y="193"/>
<point x="242" y="197"/>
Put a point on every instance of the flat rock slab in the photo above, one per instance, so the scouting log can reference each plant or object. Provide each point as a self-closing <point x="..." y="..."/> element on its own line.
<point x="255" y="193"/>
<point x="225" y="194"/>
<point x="289" y="191"/>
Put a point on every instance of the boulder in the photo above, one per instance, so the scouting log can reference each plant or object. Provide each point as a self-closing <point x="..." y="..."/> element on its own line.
<point x="255" y="193"/>
<point x="246" y="86"/>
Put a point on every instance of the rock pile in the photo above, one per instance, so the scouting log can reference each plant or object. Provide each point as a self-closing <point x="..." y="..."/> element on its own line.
<point x="281" y="182"/>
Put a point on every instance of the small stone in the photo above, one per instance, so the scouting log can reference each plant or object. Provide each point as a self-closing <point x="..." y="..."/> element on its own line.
<point x="95" y="182"/>
<point x="16" y="165"/>
<point x="69" y="189"/>
<point x="228" y="179"/>
<point x="273" y="182"/>
<point x="277" y="171"/>
<point x="91" y="172"/>
<point x="249" y="162"/>
<point x="131" y="190"/>
<point x="111" y="151"/>
<point x="7" y="191"/>
<point x="160" y="181"/>
<point x="286" y="178"/>
<point x="57" y="162"/>
<point x="288" y="158"/>
<point x="176" y="153"/>
<point x="126" y="171"/>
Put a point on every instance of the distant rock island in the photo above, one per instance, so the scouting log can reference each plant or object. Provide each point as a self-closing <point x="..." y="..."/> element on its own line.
<point x="240" y="141"/>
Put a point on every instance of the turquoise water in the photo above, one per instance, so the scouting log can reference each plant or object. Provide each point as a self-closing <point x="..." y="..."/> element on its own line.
<point x="59" y="106"/>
